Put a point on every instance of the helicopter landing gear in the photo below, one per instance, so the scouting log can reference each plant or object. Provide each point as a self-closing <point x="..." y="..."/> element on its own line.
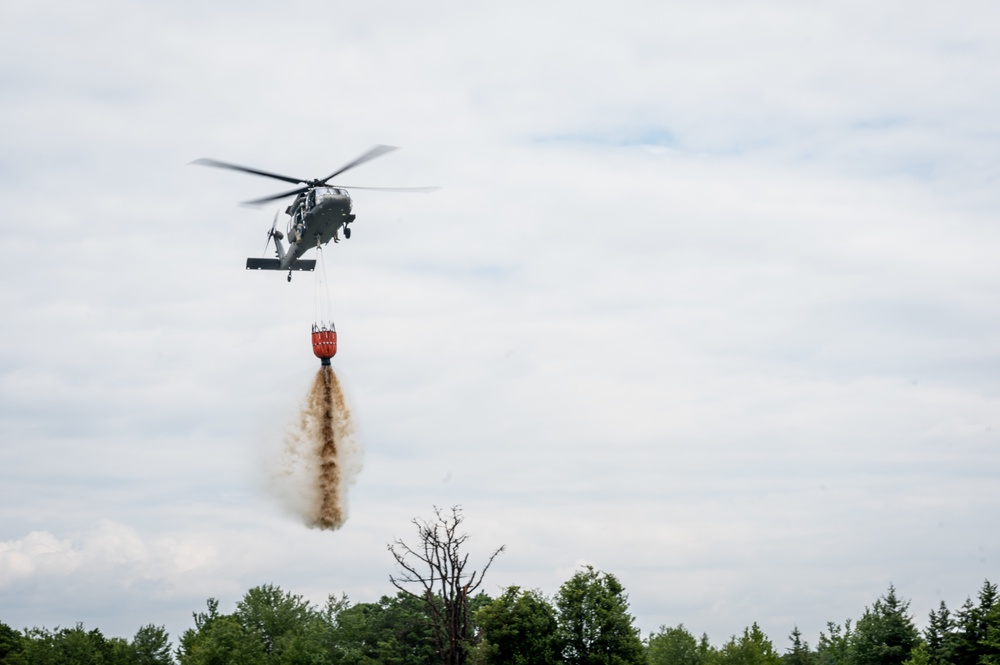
<point x="347" y="232"/>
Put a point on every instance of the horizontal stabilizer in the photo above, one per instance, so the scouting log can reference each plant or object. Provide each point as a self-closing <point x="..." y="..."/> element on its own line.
<point x="275" y="264"/>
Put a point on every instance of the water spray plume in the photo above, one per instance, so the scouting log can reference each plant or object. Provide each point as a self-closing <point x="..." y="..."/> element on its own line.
<point x="326" y="403"/>
<point x="322" y="456"/>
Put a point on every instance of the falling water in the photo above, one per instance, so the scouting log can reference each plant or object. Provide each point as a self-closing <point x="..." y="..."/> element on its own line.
<point x="321" y="456"/>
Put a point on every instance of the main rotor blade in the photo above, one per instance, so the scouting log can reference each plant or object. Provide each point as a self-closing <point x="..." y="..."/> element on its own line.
<point x="421" y="190"/>
<point x="275" y="197"/>
<point x="204" y="161"/>
<point x="377" y="151"/>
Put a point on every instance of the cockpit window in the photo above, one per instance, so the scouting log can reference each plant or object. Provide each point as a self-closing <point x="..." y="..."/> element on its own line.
<point x="328" y="192"/>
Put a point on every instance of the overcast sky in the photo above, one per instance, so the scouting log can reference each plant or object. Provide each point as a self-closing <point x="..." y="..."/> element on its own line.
<point x="708" y="300"/>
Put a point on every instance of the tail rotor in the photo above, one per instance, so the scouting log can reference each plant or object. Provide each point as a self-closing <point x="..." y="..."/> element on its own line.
<point x="273" y="233"/>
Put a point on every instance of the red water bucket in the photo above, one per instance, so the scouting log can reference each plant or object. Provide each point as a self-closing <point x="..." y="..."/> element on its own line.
<point x="324" y="339"/>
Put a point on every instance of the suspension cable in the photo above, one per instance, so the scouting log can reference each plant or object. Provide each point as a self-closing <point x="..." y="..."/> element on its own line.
<point x="322" y="308"/>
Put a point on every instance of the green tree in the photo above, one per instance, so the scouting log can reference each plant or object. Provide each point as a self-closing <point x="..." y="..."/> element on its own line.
<point x="518" y="628"/>
<point x="594" y="623"/>
<point x="268" y="626"/>
<point x="151" y="646"/>
<point x="394" y="631"/>
<point x="281" y="622"/>
<point x="709" y="654"/>
<point x="752" y="648"/>
<point x="991" y="640"/>
<point x="940" y="637"/>
<point x="11" y="643"/>
<point x="72" y="646"/>
<point x="971" y="629"/>
<point x="218" y="639"/>
<point x="834" y="647"/>
<point x="674" y="646"/>
<point x="798" y="653"/>
<point x="920" y="655"/>
<point x="885" y="634"/>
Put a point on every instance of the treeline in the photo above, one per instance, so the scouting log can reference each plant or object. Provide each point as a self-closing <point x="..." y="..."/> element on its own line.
<point x="438" y="618"/>
<point x="587" y="622"/>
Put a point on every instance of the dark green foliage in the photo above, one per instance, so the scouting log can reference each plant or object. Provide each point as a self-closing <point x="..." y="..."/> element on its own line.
<point x="991" y="641"/>
<point x="275" y="619"/>
<point x="76" y="645"/>
<point x="885" y="634"/>
<point x="939" y="637"/>
<point x="71" y="646"/>
<point x="971" y="643"/>
<point x="395" y="630"/>
<point x="268" y="626"/>
<point x="834" y="646"/>
<point x="709" y="654"/>
<point x="675" y="646"/>
<point x="594" y="624"/>
<point x="589" y="625"/>
<point x="151" y="646"/>
<point x="752" y="648"/>
<point x="518" y="628"/>
<point x="798" y="653"/>
<point x="11" y="643"/>
<point x="217" y="639"/>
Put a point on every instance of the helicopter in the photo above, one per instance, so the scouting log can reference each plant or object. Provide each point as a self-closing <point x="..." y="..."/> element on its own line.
<point x="316" y="215"/>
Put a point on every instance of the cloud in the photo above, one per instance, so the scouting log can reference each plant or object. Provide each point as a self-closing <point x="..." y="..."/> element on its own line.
<point x="750" y="372"/>
<point x="109" y="551"/>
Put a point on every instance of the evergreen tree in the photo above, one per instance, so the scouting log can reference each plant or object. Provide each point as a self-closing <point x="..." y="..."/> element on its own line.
<point x="920" y="655"/>
<point x="971" y="627"/>
<point x="991" y="641"/>
<point x="799" y="653"/>
<point x="594" y="623"/>
<point x="834" y="647"/>
<point x="885" y="634"/>
<point x="751" y="648"/>
<point x="709" y="655"/>
<point x="939" y="637"/>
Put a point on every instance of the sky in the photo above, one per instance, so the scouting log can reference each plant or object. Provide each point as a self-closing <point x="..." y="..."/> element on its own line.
<point x="708" y="299"/>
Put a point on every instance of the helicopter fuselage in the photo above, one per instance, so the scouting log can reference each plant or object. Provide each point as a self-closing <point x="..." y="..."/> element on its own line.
<point x="315" y="218"/>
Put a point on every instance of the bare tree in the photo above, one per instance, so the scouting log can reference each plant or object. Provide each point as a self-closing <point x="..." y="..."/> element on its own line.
<point x="436" y="567"/>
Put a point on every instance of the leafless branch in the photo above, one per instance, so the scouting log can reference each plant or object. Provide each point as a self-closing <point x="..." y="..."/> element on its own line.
<point x="437" y="572"/>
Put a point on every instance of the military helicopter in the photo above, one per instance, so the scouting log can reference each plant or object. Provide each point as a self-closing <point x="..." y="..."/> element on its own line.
<point x="315" y="217"/>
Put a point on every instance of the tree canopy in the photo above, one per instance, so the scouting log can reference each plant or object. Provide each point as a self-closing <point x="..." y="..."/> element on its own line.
<point x="519" y="628"/>
<point x="594" y="624"/>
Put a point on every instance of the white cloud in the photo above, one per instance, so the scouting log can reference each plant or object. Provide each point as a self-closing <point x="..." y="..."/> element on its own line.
<point x="108" y="551"/>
